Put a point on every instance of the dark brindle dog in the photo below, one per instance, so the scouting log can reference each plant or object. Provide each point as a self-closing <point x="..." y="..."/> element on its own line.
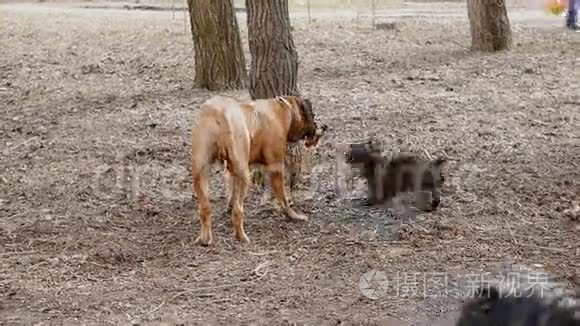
<point x="386" y="178"/>
<point x="489" y="307"/>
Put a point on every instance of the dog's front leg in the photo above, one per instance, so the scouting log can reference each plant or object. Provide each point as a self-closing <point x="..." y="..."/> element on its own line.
<point x="435" y="198"/>
<point x="277" y="183"/>
<point x="378" y="176"/>
<point x="371" y="192"/>
<point x="375" y="187"/>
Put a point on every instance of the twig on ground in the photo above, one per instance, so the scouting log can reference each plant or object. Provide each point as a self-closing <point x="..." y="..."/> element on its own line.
<point x="511" y="232"/>
<point x="572" y="102"/>
<point x="255" y="271"/>
<point x="542" y="247"/>
<point x="21" y="144"/>
<point x="17" y="253"/>
<point x="263" y="253"/>
<point x="206" y="295"/>
<point x="262" y="265"/>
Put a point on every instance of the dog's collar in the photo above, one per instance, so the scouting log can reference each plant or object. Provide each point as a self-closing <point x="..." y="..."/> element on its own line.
<point x="285" y="101"/>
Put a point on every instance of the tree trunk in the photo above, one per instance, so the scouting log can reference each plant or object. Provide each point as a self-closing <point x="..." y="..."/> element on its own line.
<point x="489" y="25"/>
<point x="274" y="67"/>
<point x="219" y="59"/>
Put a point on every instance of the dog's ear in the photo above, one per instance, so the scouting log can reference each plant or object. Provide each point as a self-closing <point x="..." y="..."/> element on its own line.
<point x="478" y="310"/>
<point x="439" y="162"/>
<point x="490" y="292"/>
<point x="306" y="106"/>
<point x="307" y="112"/>
<point x="488" y="297"/>
<point x="300" y="101"/>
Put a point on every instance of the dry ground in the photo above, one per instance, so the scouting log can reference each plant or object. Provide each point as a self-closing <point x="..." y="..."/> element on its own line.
<point x="96" y="215"/>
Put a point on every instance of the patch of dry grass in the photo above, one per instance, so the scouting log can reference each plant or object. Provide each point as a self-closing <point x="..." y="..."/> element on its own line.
<point x="97" y="220"/>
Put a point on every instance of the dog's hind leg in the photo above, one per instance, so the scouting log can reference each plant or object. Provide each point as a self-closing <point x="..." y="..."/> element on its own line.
<point x="229" y="190"/>
<point x="240" y="176"/>
<point x="240" y="189"/>
<point x="200" y="186"/>
<point x="238" y="153"/>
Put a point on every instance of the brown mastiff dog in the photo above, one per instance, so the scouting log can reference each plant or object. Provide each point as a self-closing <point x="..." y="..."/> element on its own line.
<point x="243" y="135"/>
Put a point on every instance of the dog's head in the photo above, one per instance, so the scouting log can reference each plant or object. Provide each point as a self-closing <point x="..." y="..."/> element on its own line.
<point x="305" y="128"/>
<point x="312" y="140"/>
<point x="436" y="169"/>
<point x="363" y="153"/>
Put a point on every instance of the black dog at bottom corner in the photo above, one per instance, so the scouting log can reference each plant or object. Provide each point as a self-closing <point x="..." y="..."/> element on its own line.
<point x="404" y="172"/>
<point x="489" y="307"/>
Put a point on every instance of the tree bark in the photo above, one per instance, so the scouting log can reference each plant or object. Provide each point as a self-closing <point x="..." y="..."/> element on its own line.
<point x="489" y="25"/>
<point x="274" y="67"/>
<point x="219" y="59"/>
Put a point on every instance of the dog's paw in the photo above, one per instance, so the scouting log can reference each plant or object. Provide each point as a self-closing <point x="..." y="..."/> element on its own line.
<point x="434" y="206"/>
<point x="241" y="237"/>
<point x="203" y="240"/>
<point x="368" y="203"/>
<point x="299" y="217"/>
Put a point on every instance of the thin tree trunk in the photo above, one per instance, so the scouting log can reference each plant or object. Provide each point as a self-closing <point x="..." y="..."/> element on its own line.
<point x="489" y="25"/>
<point x="274" y="68"/>
<point x="219" y="59"/>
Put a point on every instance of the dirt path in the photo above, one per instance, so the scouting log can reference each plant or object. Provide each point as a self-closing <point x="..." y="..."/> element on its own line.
<point x="96" y="216"/>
